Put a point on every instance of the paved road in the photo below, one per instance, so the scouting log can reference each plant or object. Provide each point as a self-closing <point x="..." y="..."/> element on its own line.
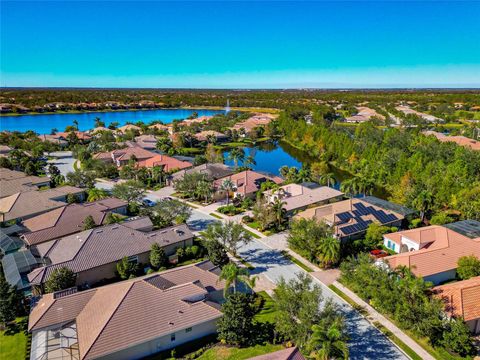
<point x="366" y="341"/>
<point x="63" y="161"/>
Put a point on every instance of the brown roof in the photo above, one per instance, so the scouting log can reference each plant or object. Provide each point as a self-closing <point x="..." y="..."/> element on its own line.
<point x="441" y="248"/>
<point x="67" y="220"/>
<point x="117" y="316"/>
<point x="167" y="162"/>
<point x="12" y="182"/>
<point x="364" y="114"/>
<point x="203" y="135"/>
<point x="254" y="121"/>
<point x="348" y="214"/>
<point x="285" y="354"/>
<point x="104" y="245"/>
<point x="146" y="141"/>
<point x="248" y="181"/>
<point x="461" y="298"/>
<point x="212" y="170"/>
<point x="132" y="150"/>
<point x="127" y="127"/>
<point x="297" y="196"/>
<point x="31" y="203"/>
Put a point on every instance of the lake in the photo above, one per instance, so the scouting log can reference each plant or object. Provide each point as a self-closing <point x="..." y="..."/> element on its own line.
<point x="44" y="123"/>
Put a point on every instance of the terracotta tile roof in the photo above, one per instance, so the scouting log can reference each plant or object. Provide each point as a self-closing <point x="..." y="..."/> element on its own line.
<point x="64" y="135"/>
<point x="461" y="298"/>
<point x="168" y="163"/>
<point x="123" y="155"/>
<point x="459" y="140"/>
<point x="30" y="203"/>
<point x="148" y="142"/>
<point x="117" y="316"/>
<point x="67" y="220"/>
<point x="203" y="135"/>
<point x="285" y="354"/>
<point x="254" y="121"/>
<point x="160" y="127"/>
<point x="197" y="120"/>
<point x="364" y="114"/>
<point x="248" y="182"/>
<point x="442" y="247"/>
<point x="104" y="245"/>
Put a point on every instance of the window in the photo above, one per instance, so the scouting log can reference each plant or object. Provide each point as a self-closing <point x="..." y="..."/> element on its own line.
<point x="188" y="329"/>
<point x="133" y="259"/>
<point x="172" y="337"/>
<point x="389" y="244"/>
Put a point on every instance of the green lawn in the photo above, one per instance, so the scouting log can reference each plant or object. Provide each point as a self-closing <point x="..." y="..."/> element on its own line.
<point x="230" y="353"/>
<point x="267" y="313"/>
<point x="13" y="347"/>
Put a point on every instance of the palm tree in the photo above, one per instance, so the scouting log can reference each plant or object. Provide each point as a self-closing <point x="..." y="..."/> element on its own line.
<point x="249" y="160"/>
<point x="284" y="171"/>
<point x="423" y="202"/>
<point x="95" y="194"/>
<point x="279" y="211"/>
<point x="329" y="343"/>
<point x="227" y="186"/>
<point x="236" y="155"/>
<point x="349" y="187"/>
<point x="231" y="274"/>
<point x="329" y="251"/>
<point x="205" y="190"/>
<point x="328" y="178"/>
<point x="75" y="124"/>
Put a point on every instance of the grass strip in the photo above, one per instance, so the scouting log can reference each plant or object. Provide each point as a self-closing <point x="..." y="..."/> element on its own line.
<point x="296" y="261"/>
<point x="216" y="216"/>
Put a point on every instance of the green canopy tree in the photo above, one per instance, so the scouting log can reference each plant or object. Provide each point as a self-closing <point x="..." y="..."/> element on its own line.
<point x="60" y="279"/>
<point x="230" y="234"/>
<point x="158" y="258"/>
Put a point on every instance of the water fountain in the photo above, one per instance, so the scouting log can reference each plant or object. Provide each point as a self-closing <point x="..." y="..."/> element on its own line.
<point x="227" y="108"/>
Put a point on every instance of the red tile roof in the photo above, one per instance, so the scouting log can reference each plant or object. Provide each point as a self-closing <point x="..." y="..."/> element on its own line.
<point x="168" y="163"/>
<point x="461" y="298"/>
<point x="248" y="182"/>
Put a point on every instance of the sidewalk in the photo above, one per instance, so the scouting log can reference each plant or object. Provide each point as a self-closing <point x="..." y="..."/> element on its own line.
<point x="374" y="315"/>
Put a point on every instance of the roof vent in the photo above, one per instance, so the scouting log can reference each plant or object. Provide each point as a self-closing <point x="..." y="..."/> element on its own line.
<point x="98" y="231"/>
<point x="171" y="323"/>
<point x="115" y="227"/>
<point x="180" y="311"/>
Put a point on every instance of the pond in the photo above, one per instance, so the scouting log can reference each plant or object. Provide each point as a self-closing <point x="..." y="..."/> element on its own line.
<point x="44" y="123"/>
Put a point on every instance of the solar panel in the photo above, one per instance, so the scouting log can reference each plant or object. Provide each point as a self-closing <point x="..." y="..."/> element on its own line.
<point x="361" y="209"/>
<point x="357" y="213"/>
<point x="345" y="216"/>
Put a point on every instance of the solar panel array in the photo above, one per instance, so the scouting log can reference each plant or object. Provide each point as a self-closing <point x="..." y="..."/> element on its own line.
<point x="362" y="225"/>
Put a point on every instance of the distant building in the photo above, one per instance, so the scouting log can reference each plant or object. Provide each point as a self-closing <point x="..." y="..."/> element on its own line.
<point x="257" y="120"/>
<point x="93" y="254"/>
<point x="364" y="114"/>
<point x="432" y="252"/>
<point x="205" y="136"/>
<point x="409" y="111"/>
<point x="350" y="218"/>
<point x="459" y="140"/>
<point x="168" y="163"/>
<point x="213" y="171"/>
<point x="121" y="157"/>
<point x="147" y="142"/>
<point x="131" y="319"/>
<point x="462" y="300"/>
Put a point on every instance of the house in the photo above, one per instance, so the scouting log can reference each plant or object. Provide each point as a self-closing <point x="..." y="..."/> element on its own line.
<point x="129" y="127"/>
<point x="161" y="127"/>
<point x="350" y="218"/>
<point x="16" y="266"/>
<point x="206" y="135"/>
<point x="213" y="171"/>
<point x="409" y="111"/>
<point x="121" y="157"/>
<point x="100" y="129"/>
<point x="168" y="163"/>
<point x="300" y="196"/>
<point x="198" y="120"/>
<point x="292" y="353"/>
<point x="257" y="120"/>
<point x="147" y="142"/>
<point x="26" y="204"/>
<point x="53" y="139"/>
<point x="459" y="140"/>
<point x="92" y="254"/>
<point x="246" y="183"/>
<point x="462" y="299"/>
<point x="5" y="150"/>
<point x="364" y="114"/>
<point x="69" y="219"/>
<point x="131" y="319"/>
<point x="432" y="252"/>
<point x="12" y="182"/>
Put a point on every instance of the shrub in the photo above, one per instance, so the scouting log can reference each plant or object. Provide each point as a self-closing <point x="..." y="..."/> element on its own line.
<point x="247" y="219"/>
<point x="415" y="223"/>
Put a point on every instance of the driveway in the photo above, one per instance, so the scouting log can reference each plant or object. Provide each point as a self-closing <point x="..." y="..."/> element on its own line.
<point x="63" y="160"/>
<point x="366" y="342"/>
<point x="199" y="221"/>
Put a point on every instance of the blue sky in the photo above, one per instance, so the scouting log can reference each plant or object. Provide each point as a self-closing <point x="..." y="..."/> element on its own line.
<point x="240" y="44"/>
